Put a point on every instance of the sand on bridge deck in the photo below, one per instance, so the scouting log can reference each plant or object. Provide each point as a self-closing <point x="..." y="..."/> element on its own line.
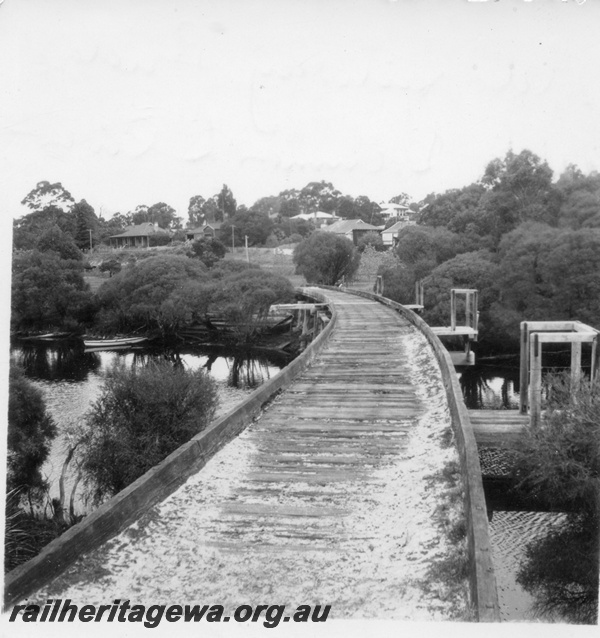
<point x="330" y="497"/>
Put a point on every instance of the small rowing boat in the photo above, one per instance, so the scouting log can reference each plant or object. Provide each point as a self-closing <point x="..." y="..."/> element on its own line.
<point x="114" y="343"/>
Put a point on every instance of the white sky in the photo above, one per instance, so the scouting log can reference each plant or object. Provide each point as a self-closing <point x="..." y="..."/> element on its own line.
<point x="131" y="102"/>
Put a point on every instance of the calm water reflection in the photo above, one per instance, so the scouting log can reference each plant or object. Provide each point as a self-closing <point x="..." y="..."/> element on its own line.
<point x="71" y="380"/>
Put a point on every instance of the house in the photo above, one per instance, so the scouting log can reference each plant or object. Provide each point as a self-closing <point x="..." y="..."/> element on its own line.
<point x="208" y="230"/>
<point x="390" y="210"/>
<point x="390" y="235"/>
<point x="318" y="218"/>
<point x="353" y="229"/>
<point x="136" y="236"/>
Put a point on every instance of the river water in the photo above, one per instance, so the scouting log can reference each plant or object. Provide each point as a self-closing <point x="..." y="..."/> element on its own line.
<point x="72" y="379"/>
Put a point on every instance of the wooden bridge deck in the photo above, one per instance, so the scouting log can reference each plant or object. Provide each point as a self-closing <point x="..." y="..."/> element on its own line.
<point x="498" y="428"/>
<point x="318" y="500"/>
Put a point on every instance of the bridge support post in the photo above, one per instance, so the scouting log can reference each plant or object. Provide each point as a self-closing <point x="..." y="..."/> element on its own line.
<point x="535" y="385"/>
<point x="575" y="365"/>
<point x="524" y="361"/>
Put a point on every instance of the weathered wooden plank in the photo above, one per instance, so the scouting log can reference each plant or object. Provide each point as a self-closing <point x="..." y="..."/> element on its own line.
<point x="257" y="509"/>
<point x="498" y="428"/>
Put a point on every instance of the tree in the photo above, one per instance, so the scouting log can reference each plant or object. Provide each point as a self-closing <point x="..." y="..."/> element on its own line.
<point x="160" y="213"/>
<point x="30" y="433"/>
<point x="112" y="266"/>
<point x="476" y="270"/>
<point x="46" y="194"/>
<point x="548" y="274"/>
<point x="226" y="203"/>
<point x="195" y="210"/>
<point x="256" y="226"/>
<point x="244" y="299"/>
<point x="61" y="243"/>
<point x="48" y="292"/>
<point x="326" y="258"/>
<point x="520" y="189"/>
<point x="85" y="221"/>
<point x="208" y="251"/>
<point x="28" y="229"/>
<point x="142" y="415"/>
<point x="371" y="239"/>
<point x="269" y="206"/>
<point x="159" y="293"/>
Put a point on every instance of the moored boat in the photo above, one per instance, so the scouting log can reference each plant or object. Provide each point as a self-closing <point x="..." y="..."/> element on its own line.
<point x="114" y="343"/>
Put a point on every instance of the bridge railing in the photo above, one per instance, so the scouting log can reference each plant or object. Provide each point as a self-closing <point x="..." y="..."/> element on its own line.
<point x="483" y="589"/>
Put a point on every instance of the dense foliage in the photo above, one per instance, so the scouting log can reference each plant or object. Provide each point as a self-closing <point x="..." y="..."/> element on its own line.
<point x="529" y="245"/>
<point x="244" y="299"/>
<point x="158" y="293"/>
<point x="30" y="433"/>
<point x="48" y="292"/>
<point x="142" y="415"/>
<point x="326" y="258"/>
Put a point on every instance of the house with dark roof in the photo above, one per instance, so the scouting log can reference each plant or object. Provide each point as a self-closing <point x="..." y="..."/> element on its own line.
<point x="209" y="230"/>
<point x="353" y="229"/>
<point x="137" y="236"/>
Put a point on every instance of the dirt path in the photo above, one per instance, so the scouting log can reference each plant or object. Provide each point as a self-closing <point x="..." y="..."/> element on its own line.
<point x="328" y="498"/>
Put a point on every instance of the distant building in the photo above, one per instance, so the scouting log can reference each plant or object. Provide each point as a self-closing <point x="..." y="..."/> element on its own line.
<point x="137" y="236"/>
<point x="318" y="218"/>
<point x="390" y="235"/>
<point x="353" y="229"/>
<point x="390" y="210"/>
<point x="208" y="230"/>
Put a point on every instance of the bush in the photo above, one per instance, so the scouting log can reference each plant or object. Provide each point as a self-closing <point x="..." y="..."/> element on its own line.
<point x="30" y="432"/>
<point x="142" y="415"/>
<point x="559" y="461"/>
<point x="158" y="293"/>
<point x="326" y="258"/>
<point x="244" y="299"/>
<point x="208" y="251"/>
<point x="48" y="292"/>
<point x="371" y="239"/>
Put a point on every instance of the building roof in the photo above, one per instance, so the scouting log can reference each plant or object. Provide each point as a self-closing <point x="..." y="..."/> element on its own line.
<point x="347" y="225"/>
<point x="319" y="214"/>
<point x="139" y="230"/>
<point x="392" y="206"/>
<point x="397" y="226"/>
<point x="200" y="229"/>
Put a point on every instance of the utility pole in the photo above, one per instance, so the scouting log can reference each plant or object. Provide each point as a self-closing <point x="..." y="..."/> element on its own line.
<point x="247" y="255"/>
<point x="232" y="239"/>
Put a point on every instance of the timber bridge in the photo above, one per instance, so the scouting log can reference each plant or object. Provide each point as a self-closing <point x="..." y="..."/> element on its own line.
<point x="323" y="494"/>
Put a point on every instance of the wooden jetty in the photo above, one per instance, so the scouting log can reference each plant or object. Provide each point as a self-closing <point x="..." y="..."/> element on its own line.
<point x="469" y="332"/>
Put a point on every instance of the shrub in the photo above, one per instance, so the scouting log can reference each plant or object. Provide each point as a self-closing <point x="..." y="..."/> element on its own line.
<point x="209" y="251"/>
<point x="371" y="239"/>
<point x="142" y="415"/>
<point x="559" y="461"/>
<point x="326" y="258"/>
<point x="244" y="299"/>
<point x="30" y="432"/>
